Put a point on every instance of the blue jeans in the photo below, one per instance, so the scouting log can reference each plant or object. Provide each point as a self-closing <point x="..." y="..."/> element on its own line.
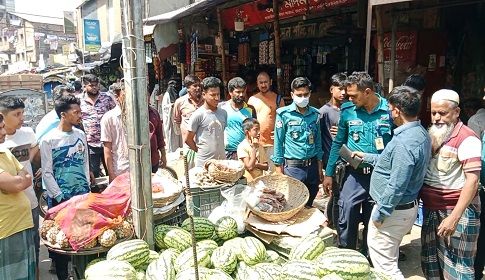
<point x="308" y="175"/>
<point x="354" y="197"/>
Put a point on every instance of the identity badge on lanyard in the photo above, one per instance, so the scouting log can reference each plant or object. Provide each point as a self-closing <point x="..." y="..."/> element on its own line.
<point x="379" y="141"/>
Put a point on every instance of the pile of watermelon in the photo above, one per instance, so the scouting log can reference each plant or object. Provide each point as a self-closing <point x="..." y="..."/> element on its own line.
<point x="221" y="254"/>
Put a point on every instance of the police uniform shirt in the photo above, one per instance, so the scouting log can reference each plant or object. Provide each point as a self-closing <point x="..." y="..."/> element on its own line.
<point x="361" y="131"/>
<point x="297" y="136"/>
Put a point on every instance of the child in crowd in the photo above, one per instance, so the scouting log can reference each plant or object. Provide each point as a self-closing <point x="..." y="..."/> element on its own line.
<point x="250" y="152"/>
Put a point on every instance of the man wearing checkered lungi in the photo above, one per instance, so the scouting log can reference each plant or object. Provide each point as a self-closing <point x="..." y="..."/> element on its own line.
<point x="451" y="204"/>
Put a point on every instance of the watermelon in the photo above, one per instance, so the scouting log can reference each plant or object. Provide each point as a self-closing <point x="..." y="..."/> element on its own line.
<point x="209" y="245"/>
<point x="162" y="268"/>
<point x="268" y="270"/>
<point x="273" y="257"/>
<point x="153" y="256"/>
<point x="159" y="233"/>
<point x="204" y="274"/>
<point x="308" y="248"/>
<point x="235" y="244"/>
<point x="331" y="276"/>
<point x="110" y="270"/>
<point x="377" y="275"/>
<point x="170" y="254"/>
<point x="346" y="263"/>
<point x="178" y="238"/>
<point x="226" y="228"/>
<point x="252" y="251"/>
<point x="245" y="272"/>
<point x="299" y="269"/>
<point x="135" y="252"/>
<point x="218" y="274"/>
<point x="329" y="248"/>
<point x="189" y="273"/>
<point x="140" y="274"/>
<point x="94" y="261"/>
<point x="217" y="239"/>
<point x="203" y="228"/>
<point x="186" y="259"/>
<point x="223" y="258"/>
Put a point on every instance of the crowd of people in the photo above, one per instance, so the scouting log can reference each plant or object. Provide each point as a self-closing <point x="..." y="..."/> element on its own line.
<point x="399" y="161"/>
<point x="84" y="132"/>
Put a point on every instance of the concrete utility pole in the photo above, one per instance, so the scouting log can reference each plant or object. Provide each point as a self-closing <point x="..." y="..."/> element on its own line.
<point x="134" y="68"/>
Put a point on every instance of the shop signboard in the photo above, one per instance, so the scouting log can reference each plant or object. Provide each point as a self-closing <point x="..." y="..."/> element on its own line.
<point x="406" y="49"/>
<point x="305" y="29"/>
<point x="251" y="15"/>
<point x="92" y="35"/>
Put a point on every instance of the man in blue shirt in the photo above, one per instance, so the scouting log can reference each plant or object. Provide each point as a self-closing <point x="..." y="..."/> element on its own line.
<point x="364" y="126"/>
<point x="237" y="111"/>
<point x="298" y="140"/>
<point x="396" y="180"/>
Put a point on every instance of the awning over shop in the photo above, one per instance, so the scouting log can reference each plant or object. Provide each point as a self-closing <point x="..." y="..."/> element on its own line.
<point x="182" y="12"/>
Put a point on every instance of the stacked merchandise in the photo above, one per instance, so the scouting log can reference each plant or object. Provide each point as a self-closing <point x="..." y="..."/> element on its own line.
<point x="243" y="54"/>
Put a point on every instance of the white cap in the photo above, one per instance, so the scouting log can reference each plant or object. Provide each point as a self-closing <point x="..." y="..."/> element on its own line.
<point x="446" y="94"/>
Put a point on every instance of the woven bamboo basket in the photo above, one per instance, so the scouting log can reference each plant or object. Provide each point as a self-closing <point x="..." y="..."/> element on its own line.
<point x="163" y="215"/>
<point x="160" y="202"/>
<point x="296" y="194"/>
<point x="231" y="175"/>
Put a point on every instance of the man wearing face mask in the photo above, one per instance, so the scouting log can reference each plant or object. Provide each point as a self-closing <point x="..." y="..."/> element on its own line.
<point x="298" y="140"/>
<point x="237" y="111"/>
<point x="396" y="180"/>
<point x="364" y="126"/>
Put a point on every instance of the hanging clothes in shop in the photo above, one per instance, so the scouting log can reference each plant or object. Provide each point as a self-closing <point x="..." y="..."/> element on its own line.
<point x="173" y="135"/>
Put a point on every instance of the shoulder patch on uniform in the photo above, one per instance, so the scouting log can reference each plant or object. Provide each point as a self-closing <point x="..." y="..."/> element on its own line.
<point x="279" y="124"/>
<point x="347" y="105"/>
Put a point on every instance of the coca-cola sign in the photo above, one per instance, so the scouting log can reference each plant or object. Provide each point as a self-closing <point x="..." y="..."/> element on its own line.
<point x="405" y="45"/>
<point x="406" y="48"/>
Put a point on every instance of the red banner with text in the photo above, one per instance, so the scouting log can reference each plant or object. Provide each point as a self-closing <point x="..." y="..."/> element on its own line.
<point x="257" y="12"/>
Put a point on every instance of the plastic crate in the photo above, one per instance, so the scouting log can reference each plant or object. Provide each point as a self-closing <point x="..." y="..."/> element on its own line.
<point x="419" y="219"/>
<point x="206" y="200"/>
<point x="174" y="219"/>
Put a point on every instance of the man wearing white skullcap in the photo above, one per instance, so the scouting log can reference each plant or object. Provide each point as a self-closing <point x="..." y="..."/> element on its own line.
<point x="451" y="205"/>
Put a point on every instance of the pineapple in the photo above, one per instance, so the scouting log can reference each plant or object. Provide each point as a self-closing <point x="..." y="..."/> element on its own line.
<point x="91" y="244"/>
<point x="61" y="239"/>
<point x="52" y="234"/>
<point x="45" y="227"/>
<point x="124" y="230"/>
<point x="107" y="238"/>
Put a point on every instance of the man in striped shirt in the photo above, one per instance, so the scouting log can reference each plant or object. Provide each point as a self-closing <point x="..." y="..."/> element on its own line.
<point x="451" y="205"/>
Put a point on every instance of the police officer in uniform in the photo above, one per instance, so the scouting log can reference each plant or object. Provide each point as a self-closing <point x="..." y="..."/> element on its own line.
<point x="297" y="139"/>
<point x="364" y="126"/>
